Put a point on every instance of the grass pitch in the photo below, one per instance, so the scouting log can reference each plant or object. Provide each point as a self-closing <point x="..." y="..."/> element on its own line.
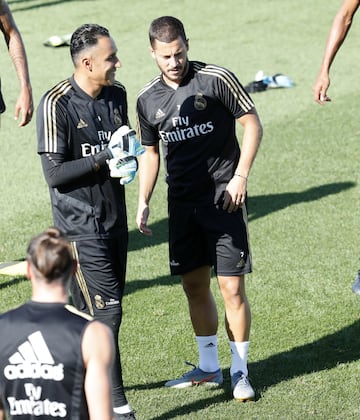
<point x="303" y="206"/>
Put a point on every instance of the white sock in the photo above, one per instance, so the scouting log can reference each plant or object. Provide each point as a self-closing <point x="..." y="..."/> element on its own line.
<point x="239" y="354"/>
<point x="208" y="353"/>
<point x="123" y="409"/>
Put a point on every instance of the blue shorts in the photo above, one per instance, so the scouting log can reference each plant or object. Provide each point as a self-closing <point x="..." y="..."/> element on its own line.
<point x="99" y="281"/>
<point x="208" y="235"/>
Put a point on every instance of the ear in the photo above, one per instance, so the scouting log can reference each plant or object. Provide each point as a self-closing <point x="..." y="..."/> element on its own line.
<point x="152" y="52"/>
<point x="86" y="62"/>
<point x="187" y="45"/>
<point x="28" y="270"/>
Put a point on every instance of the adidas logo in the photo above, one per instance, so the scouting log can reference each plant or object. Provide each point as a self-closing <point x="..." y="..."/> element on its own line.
<point x="159" y="114"/>
<point x="241" y="263"/>
<point x="210" y="345"/>
<point x="81" y="124"/>
<point x="33" y="360"/>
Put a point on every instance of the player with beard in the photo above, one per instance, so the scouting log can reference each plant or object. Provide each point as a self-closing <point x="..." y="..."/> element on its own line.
<point x="192" y="109"/>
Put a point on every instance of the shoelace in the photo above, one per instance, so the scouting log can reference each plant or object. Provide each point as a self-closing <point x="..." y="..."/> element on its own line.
<point x="240" y="377"/>
<point x="192" y="364"/>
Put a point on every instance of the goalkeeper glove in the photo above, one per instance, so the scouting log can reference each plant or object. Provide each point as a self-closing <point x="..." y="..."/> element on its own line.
<point x="123" y="143"/>
<point x="125" y="169"/>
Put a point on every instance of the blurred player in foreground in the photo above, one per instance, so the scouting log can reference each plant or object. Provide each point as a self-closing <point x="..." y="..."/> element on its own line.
<point x="54" y="361"/>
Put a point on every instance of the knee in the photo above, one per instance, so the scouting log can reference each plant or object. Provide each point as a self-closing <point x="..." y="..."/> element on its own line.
<point x="196" y="284"/>
<point x="196" y="290"/>
<point x="233" y="292"/>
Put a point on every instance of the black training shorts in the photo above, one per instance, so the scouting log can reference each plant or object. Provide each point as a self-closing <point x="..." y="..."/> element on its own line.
<point x="99" y="282"/>
<point x="208" y="235"/>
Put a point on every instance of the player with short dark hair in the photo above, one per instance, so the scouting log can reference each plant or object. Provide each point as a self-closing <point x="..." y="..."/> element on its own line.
<point x="191" y="108"/>
<point x="54" y="361"/>
<point x="80" y="126"/>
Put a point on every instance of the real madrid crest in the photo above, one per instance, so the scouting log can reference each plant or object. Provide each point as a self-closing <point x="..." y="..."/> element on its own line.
<point x="99" y="302"/>
<point x="200" y="102"/>
<point x="117" y="117"/>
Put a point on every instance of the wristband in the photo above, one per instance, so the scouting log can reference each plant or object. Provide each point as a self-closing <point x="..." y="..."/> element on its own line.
<point x="241" y="176"/>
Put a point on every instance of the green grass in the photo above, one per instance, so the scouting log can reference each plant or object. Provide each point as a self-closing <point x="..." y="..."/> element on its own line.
<point x="303" y="206"/>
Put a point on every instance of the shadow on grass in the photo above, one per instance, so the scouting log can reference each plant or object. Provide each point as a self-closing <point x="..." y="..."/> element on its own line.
<point x="139" y="241"/>
<point x="190" y="408"/>
<point x="262" y="205"/>
<point x="325" y="353"/>
<point x="193" y="407"/>
<point x="12" y="282"/>
<point x="135" y="285"/>
<point x="258" y="206"/>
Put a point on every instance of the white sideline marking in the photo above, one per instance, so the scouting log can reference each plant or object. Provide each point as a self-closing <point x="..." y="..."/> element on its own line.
<point x="13" y="268"/>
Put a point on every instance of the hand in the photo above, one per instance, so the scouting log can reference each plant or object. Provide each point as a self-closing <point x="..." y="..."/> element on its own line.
<point x="124" y="143"/>
<point x="24" y="107"/>
<point x="235" y="194"/>
<point x="125" y="169"/>
<point x="142" y="219"/>
<point x="320" y="89"/>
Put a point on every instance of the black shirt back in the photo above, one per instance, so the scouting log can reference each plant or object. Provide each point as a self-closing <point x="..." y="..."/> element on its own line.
<point x="41" y="366"/>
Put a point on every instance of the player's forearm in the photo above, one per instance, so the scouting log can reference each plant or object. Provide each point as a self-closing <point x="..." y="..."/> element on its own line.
<point x="149" y="164"/>
<point x="18" y="57"/>
<point x="15" y="44"/>
<point x="252" y="136"/>
<point x="337" y="34"/>
<point x="58" y="172"/>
